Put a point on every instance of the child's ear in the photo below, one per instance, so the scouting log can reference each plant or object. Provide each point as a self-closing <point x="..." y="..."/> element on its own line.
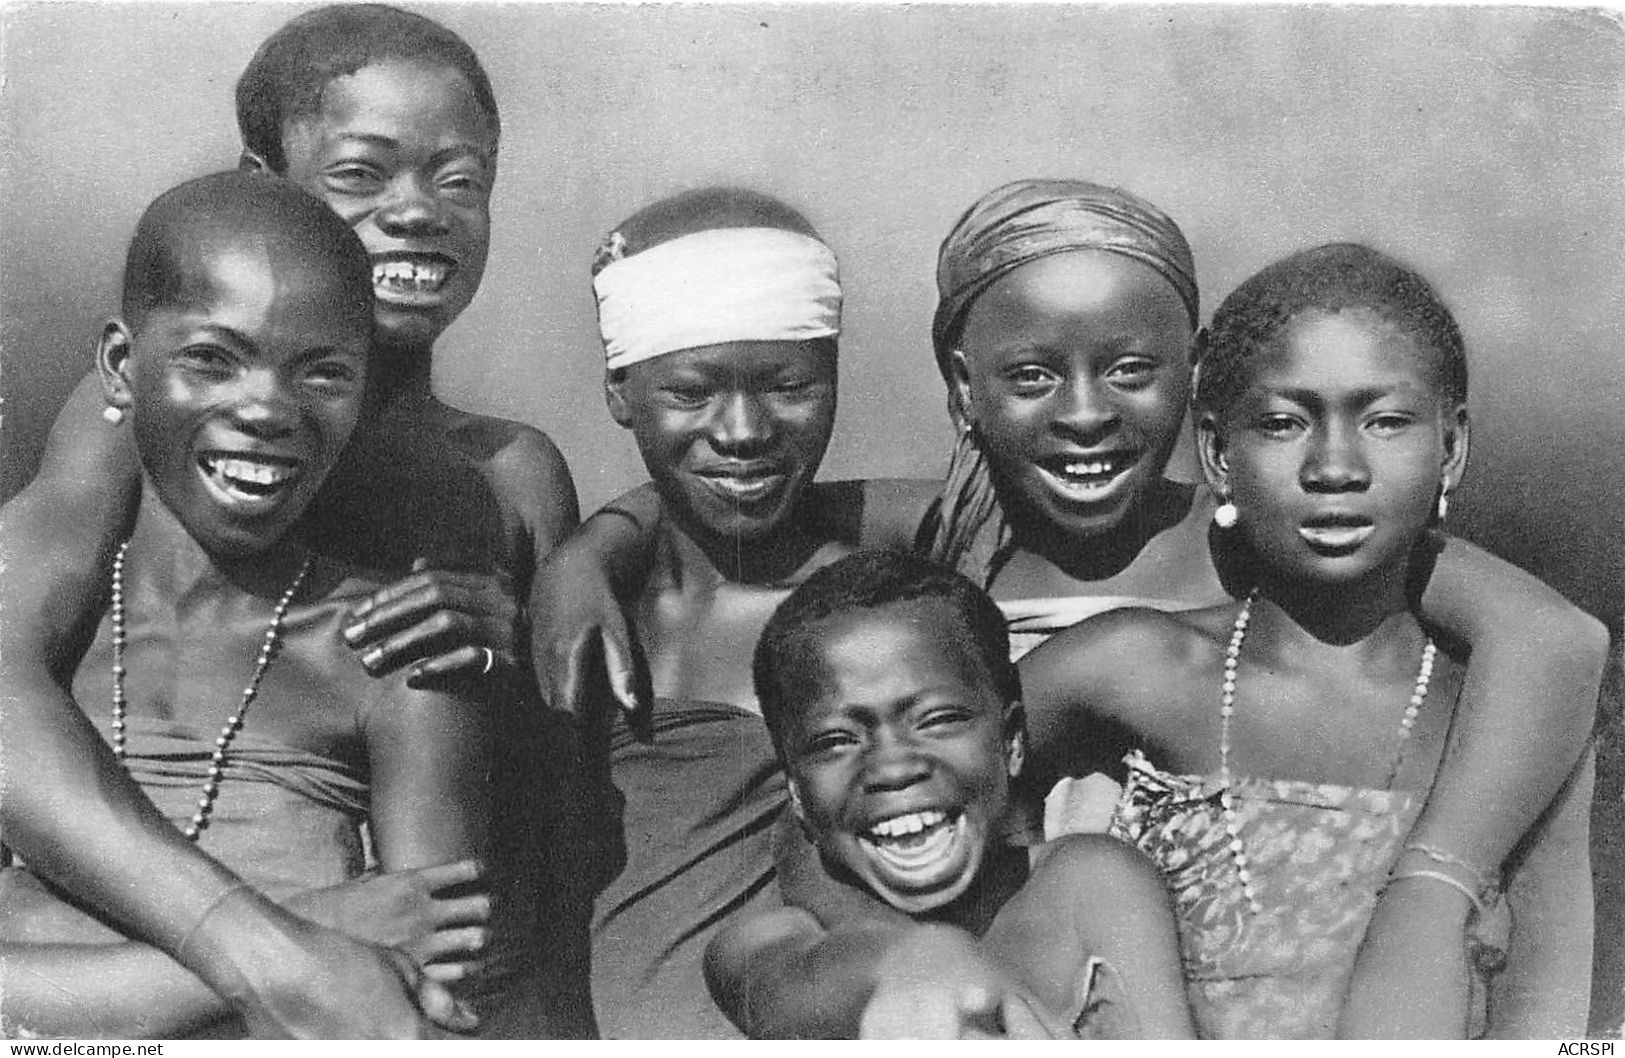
<point x="1210" y="449"/>
<point x="1457" y="432"/>
<point x="615" y="397"/>
<point x="251" y="162"/>
<point x="113" y="350"/>
<point x="959" y="394"/>
<point x="1015" y="740"/>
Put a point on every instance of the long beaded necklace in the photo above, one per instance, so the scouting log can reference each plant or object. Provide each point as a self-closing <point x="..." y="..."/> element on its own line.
<point x="1227" y="708"/>
<point x="234" y="722"/>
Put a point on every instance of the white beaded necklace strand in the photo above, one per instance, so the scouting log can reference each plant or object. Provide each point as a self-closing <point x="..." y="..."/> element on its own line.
<point x="234" y="723"/>
<point x="1227" y="708"/>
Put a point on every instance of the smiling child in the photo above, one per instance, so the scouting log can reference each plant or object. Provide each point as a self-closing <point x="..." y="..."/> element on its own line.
<point x="719" y="310"/>
<point x="241" y="357"/>
<point x="390" y="119"/>
<point x="1279" y="750"/>
<point x="1065" y="330"/>
<point x="886" y="683"/>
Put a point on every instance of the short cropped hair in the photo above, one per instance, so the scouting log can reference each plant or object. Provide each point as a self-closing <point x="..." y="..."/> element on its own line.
<point x="870" y="580"/>
<point x="1331" y="278"/>
<point x="689" y="212"/>
<point x="290" y="70"/>
<point x="158" y="266"/>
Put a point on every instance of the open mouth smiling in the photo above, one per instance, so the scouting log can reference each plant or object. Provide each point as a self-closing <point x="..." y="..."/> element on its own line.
<point x="916" y="845"/>
<point x="410" y="276"/>
<point x="1087" y="479"/>
<point x="245" y="481"/>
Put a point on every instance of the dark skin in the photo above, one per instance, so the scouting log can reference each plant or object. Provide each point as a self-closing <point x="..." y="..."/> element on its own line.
<point x="1526" y="718"/>
<point x="897" y="716"/>
<point x="1341" y="414"/>
<point x="265" y="358"/>
<point x="731" y="434"/>
<point x="406" y="156"/>
<point x="726" y="556"/>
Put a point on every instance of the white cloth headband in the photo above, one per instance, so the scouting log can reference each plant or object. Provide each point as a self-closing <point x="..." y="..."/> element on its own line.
<point x="721" y="285"/>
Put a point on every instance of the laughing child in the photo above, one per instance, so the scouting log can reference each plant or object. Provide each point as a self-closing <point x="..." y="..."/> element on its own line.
<point x="886" y="683"/>
<point x="1066" y="325"/>
<point x="1279" y="749"/>
<point x="390" y="119"/>
<point x="241" y="357"/>
<point x="719" y="310"/>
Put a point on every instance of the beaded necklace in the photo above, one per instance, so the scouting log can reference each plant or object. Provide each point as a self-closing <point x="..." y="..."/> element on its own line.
<point x="1227" y="707"/>
<point x="234" y="723"/>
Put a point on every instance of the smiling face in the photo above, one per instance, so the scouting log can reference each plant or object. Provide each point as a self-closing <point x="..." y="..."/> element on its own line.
<point x="900" y="751"/>
<point x="1075" y="371"/>
<point x="405" y="154"/>
<point x="244" y="388"/>
<point x="731" y="433"/>
<point x="1336" y="449"/>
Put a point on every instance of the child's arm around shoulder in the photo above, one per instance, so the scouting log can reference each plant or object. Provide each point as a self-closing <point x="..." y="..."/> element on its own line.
<point x="576" y="605"/>
<point x="1100" y="688"/>
<point x="115" y="851"/>
<point x="1528" y="703"/>
<point x="443" y="622"/>
<point x="1545" y="990"/>
<point x="1094" y="897"/>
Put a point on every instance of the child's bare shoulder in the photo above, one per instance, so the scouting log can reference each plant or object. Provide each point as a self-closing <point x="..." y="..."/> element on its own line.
<point x="524" y="466"/>
<point x="748" y="940"/>
<point x="1095" y="859"/>
<point x="506" y="448"/>
<point x="1135" y="646"/>
<point x="1088" y="881"/>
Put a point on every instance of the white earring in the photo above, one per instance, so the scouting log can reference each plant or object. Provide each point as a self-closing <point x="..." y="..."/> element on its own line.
<point x="113" y="415"/>
<point x="1225" y="515"/>
<point x="1444" y="505"/>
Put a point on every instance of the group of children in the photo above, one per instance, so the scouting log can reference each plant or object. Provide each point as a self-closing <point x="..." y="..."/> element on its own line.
<point x="363" y="773"/>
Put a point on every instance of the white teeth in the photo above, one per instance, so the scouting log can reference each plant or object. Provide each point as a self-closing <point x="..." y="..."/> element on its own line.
<point x="252" y="472"/>
<point x="912" y="823"/>
<point x="424" y="274"/>
<point x="1094" y="468"/>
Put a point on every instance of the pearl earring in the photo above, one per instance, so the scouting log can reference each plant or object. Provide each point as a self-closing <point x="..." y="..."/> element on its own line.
<point x="113" y="415"/>
<point x="1444" y="505"/>
<point x="1225" y="515"/>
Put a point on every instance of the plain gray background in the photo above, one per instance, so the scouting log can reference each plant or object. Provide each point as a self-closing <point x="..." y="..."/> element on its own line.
<point x="1484" y="145"/>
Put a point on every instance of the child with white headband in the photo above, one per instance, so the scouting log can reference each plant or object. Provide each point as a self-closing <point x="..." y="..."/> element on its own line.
<point x="719" y="311"/>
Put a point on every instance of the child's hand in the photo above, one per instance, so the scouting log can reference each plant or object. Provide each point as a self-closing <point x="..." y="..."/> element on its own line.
<point x="289" y="978"/>
<point x="410" y="910"/>
<point x="575" y="619"/>
<point x="347" y="989"/>
<point x="940" y="985"/>
<point x="942" y="1010"/>
<point x="450" y="623"/>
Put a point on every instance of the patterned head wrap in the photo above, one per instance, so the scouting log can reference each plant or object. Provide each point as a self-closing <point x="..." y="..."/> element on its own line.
<point x="1029" y="219"/>
<point x="1008" y="227"/>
